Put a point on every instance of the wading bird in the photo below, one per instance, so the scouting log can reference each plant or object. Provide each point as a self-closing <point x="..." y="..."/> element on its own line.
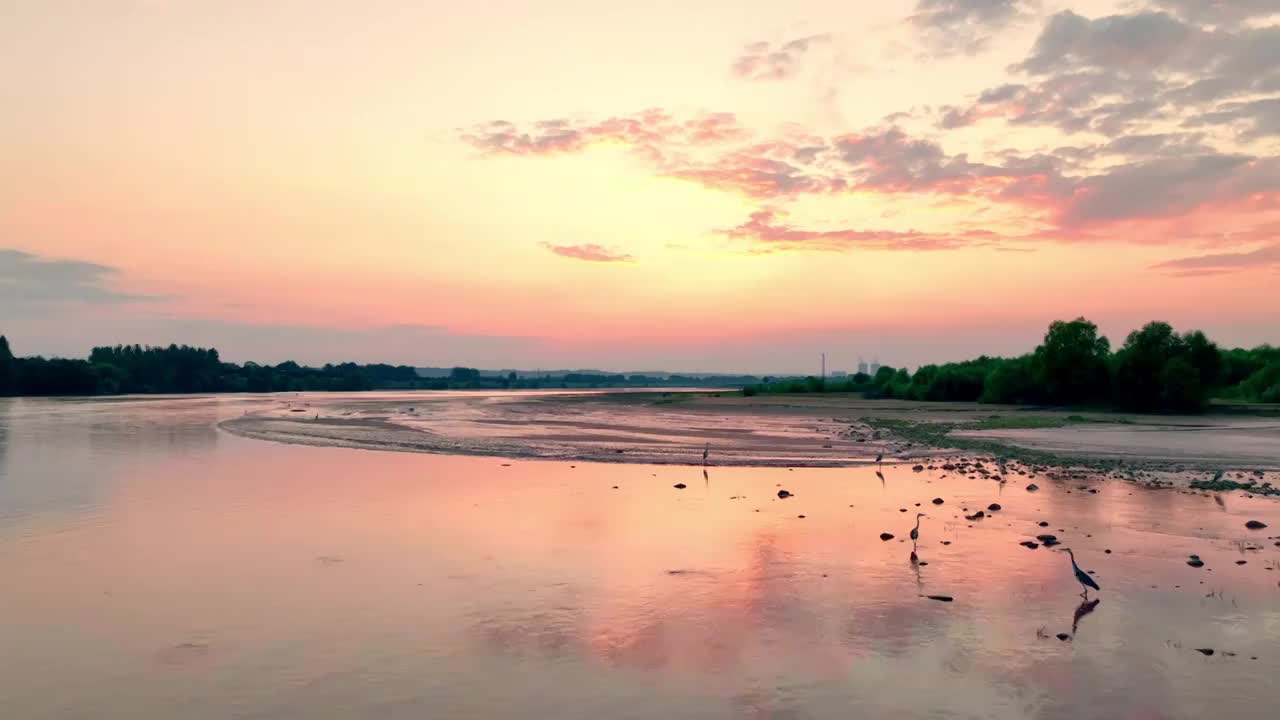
<point x="706" y="451"/>
<point x="1082" y="577"/>
<point x="915" y="531"/>
<point x="879" y="458"/>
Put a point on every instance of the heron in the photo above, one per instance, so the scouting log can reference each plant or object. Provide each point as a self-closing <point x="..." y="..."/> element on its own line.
<point x="706" y="451"/>
<point x="879" y="458"/>
<point x="915" y="531"/>
<point x="1082" y="577"/>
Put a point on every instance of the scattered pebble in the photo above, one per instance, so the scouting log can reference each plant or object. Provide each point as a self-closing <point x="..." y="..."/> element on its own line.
<point x="937" y="501"/>
<point x="1029" y="545"/>
<point x="994" y="507"/>
<point x="782" y="494"/>
<point x="1064" y="637"/>
<point x="1255" y="525"/>
<point x="1043" y="523"/>
<point x="679" y="486"/>
<point x="1205" y="651"/>
<point x="940" y="598"/>
<point x="886" y="536"/>
<point x="1033" y="487"/>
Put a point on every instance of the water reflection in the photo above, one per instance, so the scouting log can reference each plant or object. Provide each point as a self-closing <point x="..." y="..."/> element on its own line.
<point x="479" y="588"/>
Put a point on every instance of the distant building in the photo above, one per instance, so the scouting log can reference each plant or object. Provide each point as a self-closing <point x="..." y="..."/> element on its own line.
<point x="873" y="368"/>
<point x="839" y="374"/>
<point x="863" y="367"/>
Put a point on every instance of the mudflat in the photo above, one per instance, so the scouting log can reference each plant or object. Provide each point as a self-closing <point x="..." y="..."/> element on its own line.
<point x="673" y="427"/>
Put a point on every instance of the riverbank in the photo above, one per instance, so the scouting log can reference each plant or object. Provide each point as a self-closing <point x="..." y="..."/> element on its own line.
<point x="669" y="427"/>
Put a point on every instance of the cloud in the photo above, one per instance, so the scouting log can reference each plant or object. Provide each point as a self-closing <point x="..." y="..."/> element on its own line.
<point x="767" y="233"/>
<point x="1169" y="186"/>
<point x="653" y="133"/>
<point x="964" y="26"/>
<point x="762" y="171"/>
<point x="1220" y="11"/>
<point x="1263" y="257"/>
<point x="27" y="279"/>
<point x="589" y="252"/>
<point x="765" y="61"/>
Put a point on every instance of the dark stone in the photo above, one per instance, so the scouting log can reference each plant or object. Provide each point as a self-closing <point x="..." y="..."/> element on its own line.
<point x="1064" y="637"/>
<point x="1205" y="651"/>
<point x="800" y="516"/>
<point x="1033" y="487"/>
<point x="918" y="468"/>
<point x="937" y="501"/>
<point x="782" y="494"/>
<point x="1042" y="523"/>
<point x="679" y="486"/>
<point x="886" y="536"/>
<point x="946" y="542"/>
<point x="940" y="598"/>
<point x="1255" y="525"/>
<point x="976" y="516"/>
<point x="1241" y="562"/>
<point x="1047" y="539"/>
<point x="1107" y="551"/>
<point x="1029" y="545"/>
<point x="994" y="507"/>
<point x="1195" y="562"/>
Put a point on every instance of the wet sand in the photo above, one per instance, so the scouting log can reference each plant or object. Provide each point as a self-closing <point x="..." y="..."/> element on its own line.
<point x="795" y="431"/>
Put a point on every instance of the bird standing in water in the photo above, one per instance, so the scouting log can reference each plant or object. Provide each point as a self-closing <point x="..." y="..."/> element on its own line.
<point x="1082" y="577"/>
<point x="915" y="535"/>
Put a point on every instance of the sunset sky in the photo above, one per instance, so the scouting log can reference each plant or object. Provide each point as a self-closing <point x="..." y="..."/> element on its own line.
<point x="711" y="185"/>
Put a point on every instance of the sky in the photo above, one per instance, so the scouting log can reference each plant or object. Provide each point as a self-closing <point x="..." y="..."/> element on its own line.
<point x="711" y="186"/>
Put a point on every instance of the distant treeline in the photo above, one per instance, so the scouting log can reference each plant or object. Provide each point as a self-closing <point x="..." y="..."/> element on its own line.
<point x="1156" y="370"/>
<point x="183" y="369"/>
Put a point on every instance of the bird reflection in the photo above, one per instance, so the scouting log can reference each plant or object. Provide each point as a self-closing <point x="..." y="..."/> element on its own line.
<point x="881" y="476"/>
<point x="706" y="479"/>
<point x="1085" y="608"/>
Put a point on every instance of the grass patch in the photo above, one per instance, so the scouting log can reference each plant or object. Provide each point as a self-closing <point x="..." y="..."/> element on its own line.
<point x="938" y="435"/>
<point x="1228" y="485"/>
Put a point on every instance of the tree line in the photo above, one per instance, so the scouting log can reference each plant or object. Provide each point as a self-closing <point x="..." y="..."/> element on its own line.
<point x="125" y="369"/>
<point x="1155" y="370"/>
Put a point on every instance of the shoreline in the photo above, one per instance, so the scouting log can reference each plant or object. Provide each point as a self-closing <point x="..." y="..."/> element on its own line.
<point x="801" y="431"/>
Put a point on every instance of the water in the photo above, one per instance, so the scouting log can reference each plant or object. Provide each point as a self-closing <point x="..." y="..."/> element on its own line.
<point x="156" y="567"/>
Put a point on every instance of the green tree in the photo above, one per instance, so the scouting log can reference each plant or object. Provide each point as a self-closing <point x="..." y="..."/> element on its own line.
<point x="8" y="369"/>
<point x="1072" y="363"/>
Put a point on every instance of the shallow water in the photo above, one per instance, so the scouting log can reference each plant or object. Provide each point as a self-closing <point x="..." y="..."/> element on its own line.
<point x="156" y="567"/>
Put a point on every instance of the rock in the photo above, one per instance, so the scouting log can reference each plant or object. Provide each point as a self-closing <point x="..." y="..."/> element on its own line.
<point x="800" y="516"/>
<point x="994" y="507"/>
<point x="679" y="486"/>
<point x="783" y="494"/>
<point x="1107" y="551"/>
<point x="940" y="598"/>
<point x="1255" y="525"/>
<point x="1241" y="562"/>
<point x="1029" y="545"/>
<point x="1205" y="651"/>
<point x="1195" y="562"/>
<point x="1064" y="637"/>
<point x="976" y="516"/>
<point x="946" y="542"/>
<point x="937" y="501"/>
<point x="1048" y="539"/>
<point x="917" y="468"/>
<point x="1033" y="487"/>
<point x="886" y="536"/>
<point x="1042" y="523"/>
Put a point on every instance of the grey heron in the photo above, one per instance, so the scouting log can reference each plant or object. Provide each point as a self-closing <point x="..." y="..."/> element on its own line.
<point x="915" y="531"/>
<point x="1082" y="577"/>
